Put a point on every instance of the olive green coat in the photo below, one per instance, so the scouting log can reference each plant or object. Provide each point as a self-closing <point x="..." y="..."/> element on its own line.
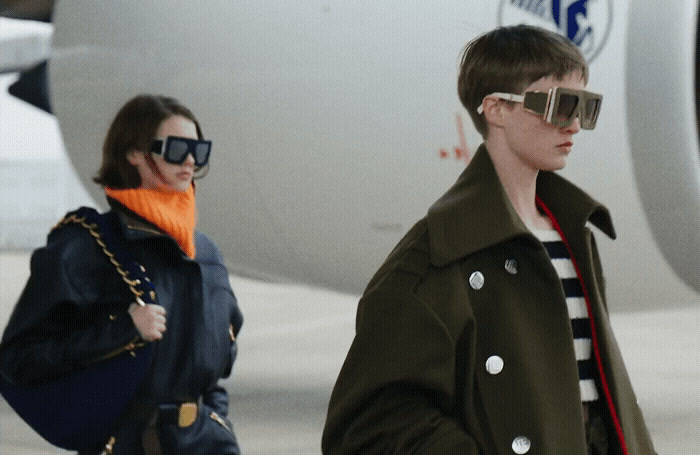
<point x="415" y="379"/>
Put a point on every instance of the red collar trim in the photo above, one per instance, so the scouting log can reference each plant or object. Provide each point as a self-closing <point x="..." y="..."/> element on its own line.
<point x="594" y="336"/>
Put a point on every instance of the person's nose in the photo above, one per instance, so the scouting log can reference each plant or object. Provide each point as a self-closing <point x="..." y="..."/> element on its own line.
<point x="574" y="127"/>
<point x="189" y="160"/>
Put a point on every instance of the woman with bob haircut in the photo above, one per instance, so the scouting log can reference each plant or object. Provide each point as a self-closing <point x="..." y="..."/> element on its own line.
<point x="76" y="311"/>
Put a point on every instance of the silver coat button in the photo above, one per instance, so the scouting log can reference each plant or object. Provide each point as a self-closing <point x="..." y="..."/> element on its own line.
<point x="521" y="445"/>
<point x="494" y="364"/>
<point x="476" y="280"/>
<point x="511" y="266"/>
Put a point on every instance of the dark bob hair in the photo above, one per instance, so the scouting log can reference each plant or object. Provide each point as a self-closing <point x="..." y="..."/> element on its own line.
<point x="509" y="59"/>
<point x="135" y="127"/>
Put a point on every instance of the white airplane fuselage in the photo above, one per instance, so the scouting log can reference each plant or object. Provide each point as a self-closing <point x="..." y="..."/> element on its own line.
<point x="335" y="125"/>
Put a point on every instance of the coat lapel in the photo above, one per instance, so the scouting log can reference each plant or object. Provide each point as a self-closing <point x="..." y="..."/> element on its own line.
<point x="476" y="213"/>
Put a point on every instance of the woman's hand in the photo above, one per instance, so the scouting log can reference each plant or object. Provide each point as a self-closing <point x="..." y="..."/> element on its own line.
<point x="149" y="320"/>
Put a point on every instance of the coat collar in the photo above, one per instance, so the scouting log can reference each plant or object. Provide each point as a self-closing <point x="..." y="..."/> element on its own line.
<point x="134" y="226"/>
<point x="476" y="212"/>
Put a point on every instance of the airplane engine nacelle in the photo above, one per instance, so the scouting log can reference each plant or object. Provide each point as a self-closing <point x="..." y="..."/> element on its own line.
<point x="662" y="53"/>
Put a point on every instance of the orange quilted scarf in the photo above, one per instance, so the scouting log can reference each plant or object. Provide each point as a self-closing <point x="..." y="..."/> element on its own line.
<point x="174" y="212"/>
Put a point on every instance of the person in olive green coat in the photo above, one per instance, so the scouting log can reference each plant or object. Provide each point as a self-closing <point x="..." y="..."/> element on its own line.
<point x="486" y="330"/>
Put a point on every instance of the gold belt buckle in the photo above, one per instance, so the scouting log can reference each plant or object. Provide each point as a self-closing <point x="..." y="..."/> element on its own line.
<point x="187" y="414"/>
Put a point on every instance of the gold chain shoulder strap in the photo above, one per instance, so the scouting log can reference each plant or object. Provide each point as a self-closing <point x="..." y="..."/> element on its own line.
<point x="141" y="286"/>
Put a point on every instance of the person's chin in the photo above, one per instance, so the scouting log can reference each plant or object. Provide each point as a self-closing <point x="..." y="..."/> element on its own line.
<point x="555" y="164"/>
<point x="178" y="187"/>
<point x="182" y="184"/>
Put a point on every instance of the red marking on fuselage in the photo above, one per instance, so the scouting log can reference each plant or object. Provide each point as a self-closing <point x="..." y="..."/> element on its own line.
<point x="461" y="152"/>
<point x="462" y="139"/>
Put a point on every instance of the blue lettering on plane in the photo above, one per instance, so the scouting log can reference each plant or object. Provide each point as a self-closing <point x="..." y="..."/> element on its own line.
<point x="536" y="7"/>
<point x="577" y="27"/>
<point x="571" y="18"/>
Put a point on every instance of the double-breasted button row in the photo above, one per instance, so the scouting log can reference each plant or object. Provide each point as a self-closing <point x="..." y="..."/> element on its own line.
<point x="494" y="364"/>
<point x="476" y="279"/>
<point x="521" y="444"/>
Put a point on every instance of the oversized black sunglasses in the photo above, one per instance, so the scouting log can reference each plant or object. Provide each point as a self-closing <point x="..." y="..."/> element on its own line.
<point x="175" y="149"/>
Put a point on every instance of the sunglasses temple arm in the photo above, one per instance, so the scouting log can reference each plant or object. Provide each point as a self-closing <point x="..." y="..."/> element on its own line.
<point x="157" y="146"/>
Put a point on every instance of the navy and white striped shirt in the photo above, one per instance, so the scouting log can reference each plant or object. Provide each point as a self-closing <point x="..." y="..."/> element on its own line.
<point x="578" y="312"/>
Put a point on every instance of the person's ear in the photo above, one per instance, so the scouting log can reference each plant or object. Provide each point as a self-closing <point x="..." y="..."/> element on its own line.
<point x="135" y="157"/>
<point x="493" y="110"/>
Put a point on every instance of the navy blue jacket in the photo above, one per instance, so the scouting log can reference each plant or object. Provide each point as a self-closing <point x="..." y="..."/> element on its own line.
<point x="73" y="311"/>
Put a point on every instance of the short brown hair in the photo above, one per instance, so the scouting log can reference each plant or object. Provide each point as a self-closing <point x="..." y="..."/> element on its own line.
<point x="135" y="127"/>
<point x="509" y="59"/>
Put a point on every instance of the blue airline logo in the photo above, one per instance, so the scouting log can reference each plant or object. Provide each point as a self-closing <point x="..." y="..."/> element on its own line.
<point x="585" y="22"/>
